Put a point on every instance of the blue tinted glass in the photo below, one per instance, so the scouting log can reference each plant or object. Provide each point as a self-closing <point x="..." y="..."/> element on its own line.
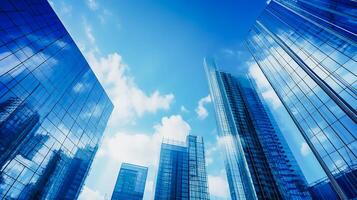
<point x="46" y="148"/>
<point x="317" y="40"/>
<point x="182" y="170"/>
<point x="257" y="156"/>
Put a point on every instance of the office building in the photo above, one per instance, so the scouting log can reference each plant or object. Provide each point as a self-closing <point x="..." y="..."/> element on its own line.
<point x="130" y="182"/>
<point x="53" y="110"/>
<point x="259" y="164"/>
<point x="307" y="51"/>
<point x="182" y="170"/>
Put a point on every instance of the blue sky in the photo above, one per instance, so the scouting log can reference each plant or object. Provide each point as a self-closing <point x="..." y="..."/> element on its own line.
<point x="149" y="57"/>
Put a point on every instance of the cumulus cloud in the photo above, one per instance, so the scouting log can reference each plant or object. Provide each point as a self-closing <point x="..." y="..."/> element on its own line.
<point x="137" y="148"/>
<point x="201" y="111"/>
<point x="89" y="194"/>
<point x="144" y="148"/>
<point x="304" y="149"/>
<point x="129" y="100"/>
<point x="210" y="151"/>
<point x="218" y="186"/>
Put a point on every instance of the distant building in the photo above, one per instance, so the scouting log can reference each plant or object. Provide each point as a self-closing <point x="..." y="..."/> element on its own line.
<point x="130" y="182"/>
<point x="182" y="170"/>
<point x="53" y="110"/>
<point x="307" y="49"/>
<point x="259" y="163"/>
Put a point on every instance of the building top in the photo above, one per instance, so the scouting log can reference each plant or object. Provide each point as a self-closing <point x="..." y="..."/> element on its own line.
<point x="133" y="166"/>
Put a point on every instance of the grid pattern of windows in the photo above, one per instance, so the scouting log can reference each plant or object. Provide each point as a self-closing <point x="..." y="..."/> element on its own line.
<point x="322" y="189"/>
<point x="312" y="68"/>
<point x="130" y="182"/>
<point x="271" y="166"/>
<point x="182" y="171"/>
<point x="197" y="168"/>
<point x="286" y="172"/>
<point x="53" y="110"/>
<point x="238" y="175"/>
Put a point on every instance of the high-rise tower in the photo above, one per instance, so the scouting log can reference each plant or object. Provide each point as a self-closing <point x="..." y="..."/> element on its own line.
<point x="130" y="182"/>
<point x="53" y="110"/>
<point x="259" y="163"/>
<point x="182" y="170"/>
<point x="307" y="50"/>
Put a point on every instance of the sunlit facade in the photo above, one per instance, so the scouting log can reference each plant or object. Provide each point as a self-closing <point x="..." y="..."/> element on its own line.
<point x="130" y="182"/>
<point x="259" y="163"/>
<point x="307" y="50"/>
<point x="53" y="110"/>
<point x="182" y="170"/>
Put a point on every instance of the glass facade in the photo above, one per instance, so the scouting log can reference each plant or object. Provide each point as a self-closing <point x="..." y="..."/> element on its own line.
<point x="323" y="189"/>
<point x="259" y="164"/>
<point x="53" y="110"/>
<point x="182" y="170"/>
<point x="130" y="182"/>
<point x="307" y="50"/>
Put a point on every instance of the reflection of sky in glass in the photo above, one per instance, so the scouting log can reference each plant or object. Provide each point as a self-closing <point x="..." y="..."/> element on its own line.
<point x="130" y="182"/>
<point x="247" y="124"/>
<point x="182" y="170"/>
<point x="53" y="110"/>
<point x="311" y="66"/>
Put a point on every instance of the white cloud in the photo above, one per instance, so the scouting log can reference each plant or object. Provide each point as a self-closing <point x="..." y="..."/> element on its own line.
<point x="92" y="4"/>
<point x="129" y="147"/>
<point x="104" y="15"/>
<point x="89" y="33"/>
<point x="210" y="151"/>
<point x="137" y="148"/>
<point x="230" y="52"/>
<point x="184" y="109"/>
<point x="218" y="186"/>
<point x="173" y="127"/>
<point x="66" y="9"/>
<point x="143" y="148"/>
<point x="304" y="149"/>
<point x="89" y="194"/>
<point x="129" y="100"/>
<point x="201" y="111"/>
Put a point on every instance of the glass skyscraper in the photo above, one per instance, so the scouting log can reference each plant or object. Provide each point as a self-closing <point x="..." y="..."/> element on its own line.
<point x="182" y="170"/>
<point x="53" y="110"/>
<point x="130" y="182"/>
<point x="307" y="50"/>
<point x="259" y="164"/>
<point x="323" y="190"/>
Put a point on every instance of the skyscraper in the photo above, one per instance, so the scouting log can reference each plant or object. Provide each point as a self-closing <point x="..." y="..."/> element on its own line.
<point x="182" y="170"/>
<point x="259" y="164"/>
<point x="307" y="50"/>
<point x="323" y="190"/>
<point x="53" y="110"/>
<point x="130" y="182"/>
